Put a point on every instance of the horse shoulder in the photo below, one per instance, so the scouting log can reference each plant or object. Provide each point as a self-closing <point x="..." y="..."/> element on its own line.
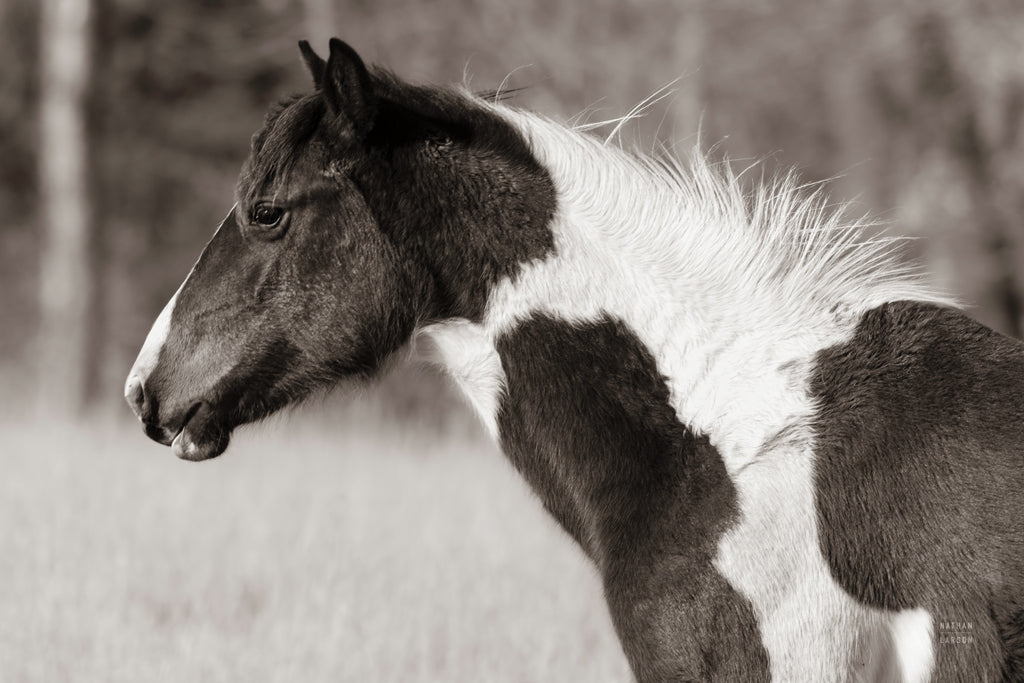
<point x="919" y="474"/>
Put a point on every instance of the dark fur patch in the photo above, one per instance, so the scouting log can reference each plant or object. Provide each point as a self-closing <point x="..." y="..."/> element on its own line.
<point x="920" y="479"/>
<point x="276" y="147"/>
<point x="586" y="418"/>
<point x="457" y="189"/>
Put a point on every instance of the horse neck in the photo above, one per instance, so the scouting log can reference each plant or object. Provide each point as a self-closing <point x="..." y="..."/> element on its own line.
<point x="733" y="297"/>
<point x="677" y="269"/>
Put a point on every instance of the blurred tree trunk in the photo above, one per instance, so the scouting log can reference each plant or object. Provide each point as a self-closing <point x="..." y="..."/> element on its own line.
<point x="1003" y="287"/>
<point x="949" y="109"/>
<point x="99" y="101"/>
<point x="65" y="280"/>
<point x="860" y="149"/>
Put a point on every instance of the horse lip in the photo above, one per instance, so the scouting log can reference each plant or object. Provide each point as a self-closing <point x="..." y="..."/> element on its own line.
<point x="184" y="448"/>
<point x="164" y="435"/>
<point x="199" y="442"/>
<point x="158" y="433"/>
<point x="184" y="423"/>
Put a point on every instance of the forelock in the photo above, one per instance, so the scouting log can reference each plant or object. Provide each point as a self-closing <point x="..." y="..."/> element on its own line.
<point x="287" y="127"/>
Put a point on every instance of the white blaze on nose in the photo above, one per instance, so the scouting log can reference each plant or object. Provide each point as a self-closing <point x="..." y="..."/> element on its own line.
<point x="157" y="337"/>
<point x="147" y="358"/>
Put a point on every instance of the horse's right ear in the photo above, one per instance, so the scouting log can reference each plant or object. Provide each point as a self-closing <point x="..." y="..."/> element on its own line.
<point x="315" y="65"/>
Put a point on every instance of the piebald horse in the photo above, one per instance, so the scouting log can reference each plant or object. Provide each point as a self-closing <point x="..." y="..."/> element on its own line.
<point x="787" y="457"/>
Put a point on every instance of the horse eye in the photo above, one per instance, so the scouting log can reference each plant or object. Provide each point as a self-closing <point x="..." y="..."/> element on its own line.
<point x="267" y="216"/>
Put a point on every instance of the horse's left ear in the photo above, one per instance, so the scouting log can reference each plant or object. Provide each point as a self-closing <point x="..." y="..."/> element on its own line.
<point x="314" y="63"/>
<point x="348" y="89"/>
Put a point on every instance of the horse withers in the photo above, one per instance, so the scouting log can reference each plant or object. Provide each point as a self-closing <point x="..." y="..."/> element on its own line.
<point x="788" y="459"/>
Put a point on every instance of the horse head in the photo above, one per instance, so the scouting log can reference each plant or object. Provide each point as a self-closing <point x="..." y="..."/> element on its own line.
<point x="365" y="208"/>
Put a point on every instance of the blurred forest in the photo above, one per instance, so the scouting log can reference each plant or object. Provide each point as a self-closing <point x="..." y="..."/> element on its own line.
<point x="124" y="123"/>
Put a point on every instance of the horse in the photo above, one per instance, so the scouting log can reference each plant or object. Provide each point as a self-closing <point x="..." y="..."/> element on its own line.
<point x="787" y="456"/>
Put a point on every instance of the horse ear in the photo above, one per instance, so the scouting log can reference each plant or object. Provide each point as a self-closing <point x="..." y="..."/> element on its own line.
<point x="348" y="89"/>
<point x="315" y="65"/>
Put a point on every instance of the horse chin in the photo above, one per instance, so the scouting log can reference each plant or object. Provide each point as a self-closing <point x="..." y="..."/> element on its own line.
<point x="202" y="436"/>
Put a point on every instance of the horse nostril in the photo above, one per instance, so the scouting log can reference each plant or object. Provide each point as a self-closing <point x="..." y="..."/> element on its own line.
<point x="135" y="395"/>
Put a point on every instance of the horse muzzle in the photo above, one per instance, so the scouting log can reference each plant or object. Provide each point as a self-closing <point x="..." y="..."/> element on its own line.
<point x="192" y="429"/>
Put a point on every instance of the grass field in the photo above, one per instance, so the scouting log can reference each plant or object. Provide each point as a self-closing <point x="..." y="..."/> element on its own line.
<point x="310" y="551"/>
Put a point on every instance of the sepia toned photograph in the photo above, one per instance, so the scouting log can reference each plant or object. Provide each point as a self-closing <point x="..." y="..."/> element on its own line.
<point x="472" y="341"/>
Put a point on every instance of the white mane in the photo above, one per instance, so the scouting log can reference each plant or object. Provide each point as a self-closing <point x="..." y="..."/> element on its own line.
<point x="778" y="235"/>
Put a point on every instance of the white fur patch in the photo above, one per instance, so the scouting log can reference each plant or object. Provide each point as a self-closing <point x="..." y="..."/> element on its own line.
<point x="150" y="352"/>
<point x="466" y="351"/>
<point x="912" y="635"/>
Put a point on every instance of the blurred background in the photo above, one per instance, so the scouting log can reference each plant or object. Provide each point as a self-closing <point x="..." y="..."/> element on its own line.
<point x="380" y="537"/>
